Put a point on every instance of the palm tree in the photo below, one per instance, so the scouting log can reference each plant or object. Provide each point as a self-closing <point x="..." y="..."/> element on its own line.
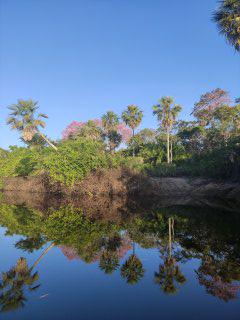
<point x="13" y="284"/>
<point x="24" y="119"/>
<point x="227" y="18"/>
<point x="132" y="117"/>
<point x="167" y="111"/>
<point x="110" y="122"/>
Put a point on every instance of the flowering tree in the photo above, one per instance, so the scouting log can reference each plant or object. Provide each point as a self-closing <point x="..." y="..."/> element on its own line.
<point x="94" y="129"/>
<point x="203" y="109"/>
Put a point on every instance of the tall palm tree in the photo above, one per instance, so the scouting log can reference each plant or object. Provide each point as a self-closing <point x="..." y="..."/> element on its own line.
<point x="23" y="118"/>
<point x="132" y="117"/>
<point x="167" y="111"/>
<point x="227" y="18"/>
<point x="110" y="122"/>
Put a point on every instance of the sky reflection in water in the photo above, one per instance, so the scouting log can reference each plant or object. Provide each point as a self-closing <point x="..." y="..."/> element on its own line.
<point x="172" y="262"/>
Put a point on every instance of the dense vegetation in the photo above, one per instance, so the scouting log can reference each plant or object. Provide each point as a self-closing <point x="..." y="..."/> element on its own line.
<point x="208" y="145"/>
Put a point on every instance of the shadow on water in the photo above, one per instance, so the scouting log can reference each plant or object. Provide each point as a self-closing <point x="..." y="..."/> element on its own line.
<point x="107" y="231"/>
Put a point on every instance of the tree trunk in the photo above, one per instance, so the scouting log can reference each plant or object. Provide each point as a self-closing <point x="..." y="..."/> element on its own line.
<point x="42" y="255"/>
<point x="133" y="143"/>
<point x="46" y="139"/>
<point x="171" y="154"/>
<point x="168" y="151"/>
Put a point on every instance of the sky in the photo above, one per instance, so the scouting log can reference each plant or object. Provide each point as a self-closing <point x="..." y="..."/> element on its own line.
<point x="81" y="58"/>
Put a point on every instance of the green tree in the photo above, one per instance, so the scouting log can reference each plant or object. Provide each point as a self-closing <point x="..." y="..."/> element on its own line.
<point x="132" y="117"/>
<point x="23" y="118"/>
<point x="227" y="18"/>
<point x="110" y="122"/>
<point x="167" y="111"/>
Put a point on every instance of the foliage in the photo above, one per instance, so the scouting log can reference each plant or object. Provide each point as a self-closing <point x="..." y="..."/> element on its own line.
<point x="73" y="161"/>
<point x="227" y="18"/>
<point x="13" y="285"/>
<point x="18" y="161"/>
<point x="24" y="118"/>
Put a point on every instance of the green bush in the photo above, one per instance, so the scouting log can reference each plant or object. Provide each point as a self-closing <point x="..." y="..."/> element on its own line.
<point x="17" y="162"/>
<point x="73" y="160"/>
<point x="162" y="170"/>
<point x="71" y="163"/>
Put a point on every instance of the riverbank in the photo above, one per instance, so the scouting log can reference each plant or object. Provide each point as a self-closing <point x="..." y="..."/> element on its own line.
<point x="127" y="184"/>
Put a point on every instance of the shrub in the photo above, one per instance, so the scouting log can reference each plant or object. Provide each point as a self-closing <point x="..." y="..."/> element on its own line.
<point x="162" y="170"/>
<point x="73" y="160"/>
<point x="17" y="162"/>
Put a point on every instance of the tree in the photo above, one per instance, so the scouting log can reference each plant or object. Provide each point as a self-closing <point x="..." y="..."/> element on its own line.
<point x="132" y="117"/>
<point x="209" y="102"/>
<point x="24" y="119"/>
<point x="167" y="111"/>
<point x="227" y="18"/>
<point x="110" y="122"/>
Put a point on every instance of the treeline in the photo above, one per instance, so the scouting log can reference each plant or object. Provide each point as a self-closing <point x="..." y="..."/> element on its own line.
<point x="208" y="145"/>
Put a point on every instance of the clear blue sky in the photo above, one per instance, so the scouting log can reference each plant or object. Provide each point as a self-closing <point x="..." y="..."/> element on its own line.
<point x="80" y="58"/>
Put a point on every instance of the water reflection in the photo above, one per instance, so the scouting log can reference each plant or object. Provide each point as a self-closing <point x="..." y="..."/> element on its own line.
<point x="179" y="233"/>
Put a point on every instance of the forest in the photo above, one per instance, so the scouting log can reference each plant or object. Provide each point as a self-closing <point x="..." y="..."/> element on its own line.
<point x="207" y="146"/>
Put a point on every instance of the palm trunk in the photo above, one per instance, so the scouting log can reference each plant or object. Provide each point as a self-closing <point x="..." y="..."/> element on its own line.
<point x="46" y="139"/>
<point x="168" y="149"/>
<point x="42" y="255"/>
<point x="171" y="154"/>
<point x="133" y="143"/>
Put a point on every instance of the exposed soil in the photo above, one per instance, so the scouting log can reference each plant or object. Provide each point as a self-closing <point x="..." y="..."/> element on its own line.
<point x="100" y="187"/>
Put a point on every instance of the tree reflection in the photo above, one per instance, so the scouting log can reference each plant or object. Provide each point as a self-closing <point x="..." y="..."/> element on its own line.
<point x="219" y="277"/>
<point x="180" y="234"/>
<point x="169" y="275"/>
<point x="13" y="285"/>
<point x="132" y="270"/>
<point x="109" y="262"/>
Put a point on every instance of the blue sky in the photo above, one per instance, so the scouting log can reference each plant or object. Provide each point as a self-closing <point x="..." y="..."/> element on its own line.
<point x="80" y="58"/>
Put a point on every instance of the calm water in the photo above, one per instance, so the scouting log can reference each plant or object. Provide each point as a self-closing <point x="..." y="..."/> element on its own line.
<point x="167" y="263"/>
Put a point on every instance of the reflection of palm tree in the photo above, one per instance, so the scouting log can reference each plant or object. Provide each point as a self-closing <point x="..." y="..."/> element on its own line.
<point x="108" y="262"/>
<point x="169" y="273"/>
<point x="15" y="280"/>
<point x="132" y="269"/>
<point x="13" y="283"/>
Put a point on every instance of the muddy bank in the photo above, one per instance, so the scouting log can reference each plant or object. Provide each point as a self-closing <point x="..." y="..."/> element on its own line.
<point x="125" y="184"/>
<point x="102" y="182"/>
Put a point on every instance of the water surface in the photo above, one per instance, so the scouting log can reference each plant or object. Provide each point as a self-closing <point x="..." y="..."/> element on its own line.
<point x="162" y="263"/>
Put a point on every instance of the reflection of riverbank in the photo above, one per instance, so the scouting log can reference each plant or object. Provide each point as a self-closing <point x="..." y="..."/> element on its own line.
<point x="180" y="234"/>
